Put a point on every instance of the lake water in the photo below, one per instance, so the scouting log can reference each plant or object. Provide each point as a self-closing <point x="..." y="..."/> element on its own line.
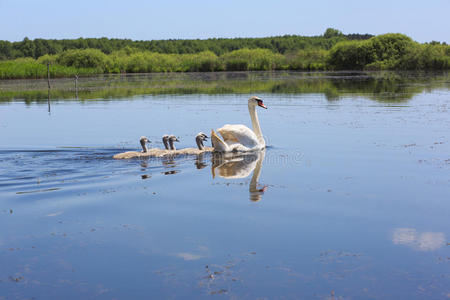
<point x="349" y="201"/>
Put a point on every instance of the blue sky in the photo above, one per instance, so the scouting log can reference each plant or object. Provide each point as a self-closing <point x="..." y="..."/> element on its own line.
<point x="145" y="20"/>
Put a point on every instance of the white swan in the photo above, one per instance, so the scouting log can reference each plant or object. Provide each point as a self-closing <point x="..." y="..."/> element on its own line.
<point x="236" y="138"/>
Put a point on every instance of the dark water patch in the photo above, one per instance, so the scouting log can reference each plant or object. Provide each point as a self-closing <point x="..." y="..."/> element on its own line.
<point x="38" y="191"/>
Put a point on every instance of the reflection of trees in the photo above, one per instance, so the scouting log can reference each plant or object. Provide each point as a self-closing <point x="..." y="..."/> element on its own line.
<point x="379" y="86"/>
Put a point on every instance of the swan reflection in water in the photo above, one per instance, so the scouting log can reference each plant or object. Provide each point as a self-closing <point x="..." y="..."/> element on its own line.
<point x="239" y="166"/>
<point x="169" y="163"/>
<point x="224" y="165"/>
<point x="199" y="163"/>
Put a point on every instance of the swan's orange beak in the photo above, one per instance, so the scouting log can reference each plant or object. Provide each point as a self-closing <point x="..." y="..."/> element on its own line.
<point x="261" y="104"/>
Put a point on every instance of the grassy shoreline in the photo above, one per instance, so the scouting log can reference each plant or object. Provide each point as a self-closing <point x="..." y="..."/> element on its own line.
<point x="383" y="52"/>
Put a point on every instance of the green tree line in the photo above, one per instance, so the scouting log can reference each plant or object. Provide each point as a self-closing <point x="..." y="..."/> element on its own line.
<point x="279" y="44"/>
<point x="383" y="52"/>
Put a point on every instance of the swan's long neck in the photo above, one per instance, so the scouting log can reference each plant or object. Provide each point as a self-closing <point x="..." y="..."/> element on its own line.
<point x="255" y="193"/>
<point x="255" y="124"/>
<point x="172" y="146"/>
<point x="199" y="142"/>
<point x="166" y="145"/>
<point x="144" y="146"/>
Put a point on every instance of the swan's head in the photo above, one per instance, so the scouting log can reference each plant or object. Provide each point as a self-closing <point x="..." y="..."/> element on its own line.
<point x="201" y="136"/>
<point x="256" y="101"/>
<point x="173" y="138"/>
<point x="144" y="140"/>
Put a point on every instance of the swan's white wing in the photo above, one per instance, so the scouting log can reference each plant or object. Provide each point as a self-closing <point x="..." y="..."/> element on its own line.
<point x="238" y="134"/>
<point x="218" y="144"/>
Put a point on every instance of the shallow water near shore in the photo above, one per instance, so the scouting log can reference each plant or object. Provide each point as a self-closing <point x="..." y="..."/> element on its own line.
<point x="349" y="201"/>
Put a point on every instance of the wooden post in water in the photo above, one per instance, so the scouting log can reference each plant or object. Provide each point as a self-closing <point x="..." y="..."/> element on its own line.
<point x="76" y="87"/>
<point x="48" y="101"/>
<point x="48" y="75"/>
<point x="48" y="81"/>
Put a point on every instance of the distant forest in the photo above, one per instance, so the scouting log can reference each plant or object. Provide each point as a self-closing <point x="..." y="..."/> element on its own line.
<point x="279" y="44"/>
<point x="331" y="51"/>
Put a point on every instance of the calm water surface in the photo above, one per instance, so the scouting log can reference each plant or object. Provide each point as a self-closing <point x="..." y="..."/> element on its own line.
<point x="349" y="201"/>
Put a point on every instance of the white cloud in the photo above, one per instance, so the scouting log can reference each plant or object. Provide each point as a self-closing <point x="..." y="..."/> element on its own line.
<point x="425" y="241"/>
<point x="189" y="256"/>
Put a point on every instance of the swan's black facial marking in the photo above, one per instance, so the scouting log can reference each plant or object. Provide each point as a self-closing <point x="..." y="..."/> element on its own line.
<point x="261" y="103"/>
